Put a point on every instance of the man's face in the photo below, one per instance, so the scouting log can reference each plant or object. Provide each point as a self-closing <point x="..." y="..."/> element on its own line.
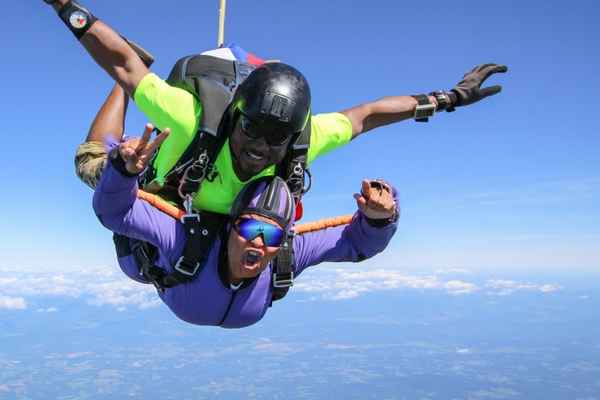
<point x="249" y="258"/>
<point x="251" y="151"/>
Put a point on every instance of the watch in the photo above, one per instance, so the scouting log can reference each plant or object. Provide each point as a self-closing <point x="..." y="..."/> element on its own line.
<point x="424" y="108"/>
<point x="76" y="17"/>
<point x="440" y="95"/>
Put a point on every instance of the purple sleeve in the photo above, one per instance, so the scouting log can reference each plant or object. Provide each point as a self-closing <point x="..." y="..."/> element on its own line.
<point x="116" y="204"/>
<point x="354" y="242"/>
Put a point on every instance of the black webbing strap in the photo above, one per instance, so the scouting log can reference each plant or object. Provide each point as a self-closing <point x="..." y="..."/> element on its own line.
<point x="188" y="264"/>
<point x="213" y="81"/>
<point x="293" y="168"/>
<point x="283" y="273"/>
<point x="201" y="234"/>
<point x="145" y="255"/>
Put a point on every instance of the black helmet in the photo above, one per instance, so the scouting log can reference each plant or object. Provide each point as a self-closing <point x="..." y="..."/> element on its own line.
<point x="275" y="96"/>
<point x="269" y="197"/>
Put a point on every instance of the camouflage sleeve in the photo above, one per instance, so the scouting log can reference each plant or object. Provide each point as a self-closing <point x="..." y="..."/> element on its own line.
<point x="90" y="160"/>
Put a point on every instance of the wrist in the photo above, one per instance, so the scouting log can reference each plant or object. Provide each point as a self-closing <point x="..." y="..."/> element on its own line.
<point x="424" y="108"/>
<point x="116" y="159"/>
<point x="434" y="100"/>
<point x="444" y="100"/>
<point x="383" y="222"/>
<point x="75" y="17"/>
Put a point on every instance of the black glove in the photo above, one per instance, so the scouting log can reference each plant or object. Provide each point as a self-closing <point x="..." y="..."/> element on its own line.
<point x="468" y="90"/>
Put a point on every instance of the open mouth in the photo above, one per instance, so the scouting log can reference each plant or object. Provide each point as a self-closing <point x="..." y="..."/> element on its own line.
<point x="252" y="258"/>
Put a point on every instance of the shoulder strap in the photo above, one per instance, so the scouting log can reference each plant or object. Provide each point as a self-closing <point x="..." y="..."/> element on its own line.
<point x="294" y="167"/>
<point x="206" y="77"/>
<point x="215" y="78"/>
<point x="202" y="231"/>
<point x="283" y="270"/>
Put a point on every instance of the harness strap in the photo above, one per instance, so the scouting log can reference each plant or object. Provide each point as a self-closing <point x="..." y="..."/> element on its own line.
<point x="193" y="256"/>
<point x="201" y="233"/>
<point x="162" y="205"/>
<point x="323" y="223"/>
<point x="294" y="166"/>
<point x="212" y="78"/>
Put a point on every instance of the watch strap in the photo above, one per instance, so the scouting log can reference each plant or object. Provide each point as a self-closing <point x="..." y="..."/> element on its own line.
<point x="76" y="18"/>
<point x="446" y="100"/>
<point x="424" y="108"/>
<point x="440" y="96"/>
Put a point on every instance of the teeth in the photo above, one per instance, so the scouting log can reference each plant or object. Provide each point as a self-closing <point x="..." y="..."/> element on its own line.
<point x="254" y="156"/>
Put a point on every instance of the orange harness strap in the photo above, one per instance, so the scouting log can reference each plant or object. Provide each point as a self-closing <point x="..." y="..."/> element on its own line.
<point x="322" y="224"/>
<point x="162" y="205"/>
<point x="176" y="213"/>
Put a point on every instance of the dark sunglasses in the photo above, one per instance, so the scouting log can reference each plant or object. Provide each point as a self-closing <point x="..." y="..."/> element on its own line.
<point x="254" y="131"/>
<point x="248" y="228"/>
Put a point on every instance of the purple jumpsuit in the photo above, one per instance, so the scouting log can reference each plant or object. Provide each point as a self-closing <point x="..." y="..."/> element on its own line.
<point x="208" y="298"/>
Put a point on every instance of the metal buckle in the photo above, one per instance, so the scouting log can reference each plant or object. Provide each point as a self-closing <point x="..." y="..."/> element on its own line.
<point x="189" y="212"/>
<point x="202" y="164"/>
<point x="279" y="282"/>
<point x="191" y="215"/>
<point x="177" y="267"/>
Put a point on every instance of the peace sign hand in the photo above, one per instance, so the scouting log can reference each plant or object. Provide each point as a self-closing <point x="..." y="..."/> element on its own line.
<point x="137" y="153"/>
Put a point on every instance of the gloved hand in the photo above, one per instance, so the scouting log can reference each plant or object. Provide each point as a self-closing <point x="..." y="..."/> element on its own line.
<point x="468" y="90"/>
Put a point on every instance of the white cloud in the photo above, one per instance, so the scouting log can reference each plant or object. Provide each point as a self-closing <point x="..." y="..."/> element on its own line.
<point x="51" y="309"/>
<point x="10" y="303"/>
<point x="550" y="288"/>
<point x="451" y="271"/>
<point x="101" y="286"/>
<point x="122" y="293"/>
<point x="506" y="287"/>
<point x="458" y="287"/>
<point x="340" y="284"/>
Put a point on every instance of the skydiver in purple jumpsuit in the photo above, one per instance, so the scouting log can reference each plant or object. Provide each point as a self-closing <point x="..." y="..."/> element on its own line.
<point x="234" y="289"/>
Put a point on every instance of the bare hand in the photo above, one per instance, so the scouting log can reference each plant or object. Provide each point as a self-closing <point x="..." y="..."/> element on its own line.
<point x="138" y="152"/>
<point x="375" y="202"/>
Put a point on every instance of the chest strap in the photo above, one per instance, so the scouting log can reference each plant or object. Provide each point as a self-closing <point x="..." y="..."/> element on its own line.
<point x="201" y="231"/>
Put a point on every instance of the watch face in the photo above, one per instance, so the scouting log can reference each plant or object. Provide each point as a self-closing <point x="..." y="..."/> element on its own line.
<point x="78" y="19"/>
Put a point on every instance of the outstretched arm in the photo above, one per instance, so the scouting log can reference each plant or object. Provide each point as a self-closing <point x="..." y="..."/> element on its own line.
<point x="111" y="52"/>
<point x="111" y="117"/>
<point x="368" y="234"/>
<point x="390" y="110"/>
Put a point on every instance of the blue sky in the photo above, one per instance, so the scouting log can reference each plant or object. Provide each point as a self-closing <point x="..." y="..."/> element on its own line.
<point x="512" y="182"/>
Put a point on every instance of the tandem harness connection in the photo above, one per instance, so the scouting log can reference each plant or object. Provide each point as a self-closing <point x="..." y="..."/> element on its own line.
<point x="202" y="230"/>
<point x="214" y="78"/>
